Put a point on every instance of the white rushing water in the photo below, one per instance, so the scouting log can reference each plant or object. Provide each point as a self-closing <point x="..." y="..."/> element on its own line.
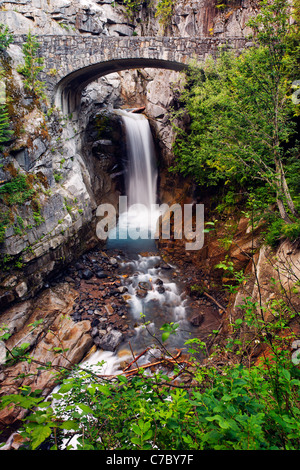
<point x="161" y="302"/>
<point x="141" y="175"/>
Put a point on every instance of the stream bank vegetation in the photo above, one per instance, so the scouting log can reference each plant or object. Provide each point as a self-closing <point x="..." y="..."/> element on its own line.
<point x="243" y="138"/>
<point x="224" y="402"/>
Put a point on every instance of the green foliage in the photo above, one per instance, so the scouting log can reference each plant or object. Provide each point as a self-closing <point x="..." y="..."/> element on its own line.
<point x="238" y="409"/>
<point x="32" y="68"/>
<point x="17" y="191"/>
<point x="164" y="11"/>
<point x="5" y="131"/>
<point x="4" y="223"/>
<point x="57" y="177"/>
<point x="278" y="230"/>
<point x="223" y="4"/>
<point x="6" y="38"/>
<point x="242" y="120"/>
<point x="14" y="194"/>
<point x="168" y="329"/>
<point x="132" y="7"/>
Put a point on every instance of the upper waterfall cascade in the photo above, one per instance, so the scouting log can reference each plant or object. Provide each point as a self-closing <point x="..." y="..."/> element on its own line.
<point x="138" y="219"/>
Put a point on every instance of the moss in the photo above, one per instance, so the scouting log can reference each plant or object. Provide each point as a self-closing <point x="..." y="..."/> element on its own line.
<point x="4" y="223"/>
<point x="10" y="168"/>
<point x="102" y="125"/>
<point x="18" y="190"/>
<point x="42" y="178"/>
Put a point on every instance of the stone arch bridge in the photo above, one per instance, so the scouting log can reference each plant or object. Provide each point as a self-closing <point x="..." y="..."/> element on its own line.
<point x="72" y="62"/>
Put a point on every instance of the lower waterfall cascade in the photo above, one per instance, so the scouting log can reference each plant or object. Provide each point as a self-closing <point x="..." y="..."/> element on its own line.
<point x="151" y="292"/>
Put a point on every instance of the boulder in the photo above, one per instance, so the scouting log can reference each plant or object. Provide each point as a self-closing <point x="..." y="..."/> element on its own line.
<point x="101" y="274"/>
<point x="197" y="319"/>
<point x="141" y="293"/>
<point x="57" y="330"/>
<point x="161" y="289"/>
<point x="110" y="341"/>
<point x="145" y="285"/>
<point x="87" y="274"/>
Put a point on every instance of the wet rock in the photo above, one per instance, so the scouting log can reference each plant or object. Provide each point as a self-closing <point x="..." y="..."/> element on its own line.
<point x="159" y="282"/>
<point x="126" y="297"/>
<point x="296" y="344"/>
<point x="79" y="266"/>
<point x="110" y="341"/>
<point x="122" y="289"/>
<point x="109" y="309"/>
<point x="141" y="293"/>
<point x="95" y="322"/>
<point x="145" y="285"/>
<point x="161" y="289"/>
<point x="87" y="274"/>
<point x="76" y="317"/>
<point x="21" y="289"/>
<point x="101" y="274"/>
<point x="296" y="357"/>
<point x="165" y="266"/>
<point x="197" y="319"/>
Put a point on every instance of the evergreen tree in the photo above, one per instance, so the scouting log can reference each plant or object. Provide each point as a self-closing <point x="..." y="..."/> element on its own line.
<point x="33" y="67"/>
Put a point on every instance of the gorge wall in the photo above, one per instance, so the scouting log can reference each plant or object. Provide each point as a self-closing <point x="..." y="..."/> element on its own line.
<point x="67" y="174"/>
<point x="65" y="166"/>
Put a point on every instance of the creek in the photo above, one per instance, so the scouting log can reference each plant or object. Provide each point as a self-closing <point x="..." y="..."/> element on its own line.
<point x="150" y="287"/>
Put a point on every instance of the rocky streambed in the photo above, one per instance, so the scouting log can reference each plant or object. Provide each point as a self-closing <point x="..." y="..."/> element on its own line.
<point x="93" y="305"/>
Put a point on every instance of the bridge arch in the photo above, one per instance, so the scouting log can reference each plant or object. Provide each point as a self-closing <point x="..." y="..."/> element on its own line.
<point x="67" y="93"/>
<point x="71" y="62"/>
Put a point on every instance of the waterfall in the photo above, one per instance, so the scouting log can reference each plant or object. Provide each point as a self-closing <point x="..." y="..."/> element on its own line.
<point x="142" y="174"/>
<point x="150" y="287"/>
<point x="141" y="179"/>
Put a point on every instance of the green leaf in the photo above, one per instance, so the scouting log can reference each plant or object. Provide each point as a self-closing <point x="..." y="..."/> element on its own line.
<point x="286" y="374"/>
<point x="39" y="435"/>
<point x="148" y="435"/>
<point x="136" y="429"/>
<point x="222" y="423"/>
<point x="85" y="408"/>
<point x="69" y="425"/>
<point x="123" y="379"/>
<point x="165" y="336"/>
<point x="146" y="426"/>
<point x="136" y="440"/>
<point x="66" y="387"/>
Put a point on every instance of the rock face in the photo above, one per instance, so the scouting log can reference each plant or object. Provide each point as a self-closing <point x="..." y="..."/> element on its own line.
<point x="274" y="277"/>
<point x="109" y="341"/>
<point x="191" y="18"/>
<point x="74" y="164"/>
<point x="54" y="331"/>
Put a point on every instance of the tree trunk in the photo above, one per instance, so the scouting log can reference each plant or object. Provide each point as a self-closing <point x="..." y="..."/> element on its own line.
<point x="287" y="194"/>
<point x="282" y="189"/>
<point x="282" y="211"/>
